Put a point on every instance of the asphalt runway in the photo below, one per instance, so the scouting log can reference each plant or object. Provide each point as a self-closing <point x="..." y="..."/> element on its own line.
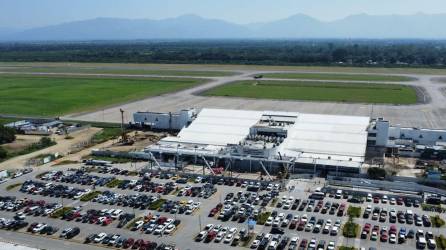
<point x="430" y="114"/>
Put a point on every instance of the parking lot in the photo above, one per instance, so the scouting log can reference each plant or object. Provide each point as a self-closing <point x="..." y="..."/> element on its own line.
<point x="155" y="209"/>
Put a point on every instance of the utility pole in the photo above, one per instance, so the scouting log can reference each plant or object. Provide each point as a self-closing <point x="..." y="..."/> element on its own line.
<point x="123" y="135"/>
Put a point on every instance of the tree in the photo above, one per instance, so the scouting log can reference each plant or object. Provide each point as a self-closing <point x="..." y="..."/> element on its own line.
<point x="376" y="173"/>
<point x="7" y="135"/>
<point x="45" y="142"/>
<point x="3" y="153"/>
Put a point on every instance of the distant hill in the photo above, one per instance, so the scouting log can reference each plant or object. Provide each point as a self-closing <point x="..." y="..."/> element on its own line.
<point x="424" y="26"/>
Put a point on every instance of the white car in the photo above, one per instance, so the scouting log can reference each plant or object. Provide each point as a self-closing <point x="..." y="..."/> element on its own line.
<point x="228" y="239"/>
<point x="331" y="245"/>
<point x="39" y="227"/>
<point x="219" y="237"/>
<point x="392" y="238"/>
<point x="150" y="228"/>
<point x="159" y="229"/>
<point x="334" y="231"/>
<point x="114" y="239"/>
<point x="255" y="244"/>
<point x="269" y="221"/>
<point x="233" y="230"/>
<point x="201" y="236"/>
<point x="169" y="229"/>
<point x="100" y="237"/>
<point x="312" y="243"/>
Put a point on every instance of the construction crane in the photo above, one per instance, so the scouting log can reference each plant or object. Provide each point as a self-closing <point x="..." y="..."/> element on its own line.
<point x="124" y="138"/>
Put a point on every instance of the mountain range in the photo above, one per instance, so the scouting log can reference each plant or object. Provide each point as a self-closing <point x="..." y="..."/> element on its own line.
<point x="417" y="26"/>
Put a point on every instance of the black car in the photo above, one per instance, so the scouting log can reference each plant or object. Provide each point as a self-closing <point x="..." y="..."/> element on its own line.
<point x="276" y="230"/>
<point x="71" y="234"/>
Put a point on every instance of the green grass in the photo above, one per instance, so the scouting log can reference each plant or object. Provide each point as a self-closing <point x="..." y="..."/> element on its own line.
<point x="339" y="77"/>
<point x="114" y="183"/>
<point x="13" y="186"/>
<point x="60" y="212"/>
<point x="157" y="204"/>
<point x="350" y="229"/>
<point x="354" y="211"/>
<point x="437" y="221"/>
<point x="261" y="219"/>
<point x="133" y="222"/>
<point x="347" y="248"/>
<point x="111" y="159"/>
<point x="318" y="91"/>
<point x="4" y="121"/>
<point x="55" y="96"/>
<point x="90" y="196"/>
<point x="441" y="242"/>
<point x="231" y="67"/>
<point x="122" y="70"/>
<point x="106" y="134"/>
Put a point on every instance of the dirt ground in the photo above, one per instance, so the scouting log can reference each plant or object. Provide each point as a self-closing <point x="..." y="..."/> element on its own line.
<point x="21" y="142"/>
<point x="62" y="147"/>
<point x="141" y="140"/>
<point x="402" y="166"/>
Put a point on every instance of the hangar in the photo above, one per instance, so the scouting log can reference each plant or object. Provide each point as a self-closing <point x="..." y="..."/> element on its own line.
<point x="268" y="141"/>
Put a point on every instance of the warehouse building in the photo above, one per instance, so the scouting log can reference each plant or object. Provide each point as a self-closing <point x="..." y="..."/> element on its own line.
<point x="268" y="141"/>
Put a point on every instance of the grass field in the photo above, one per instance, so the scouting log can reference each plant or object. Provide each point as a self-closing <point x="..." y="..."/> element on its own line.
<point x="55" y="96"/>
<point x="318" y="91"/>
<point x="7" y="120"/>
<point x="340" y="77"/>
<point x="116" y="70"/>
<point x="228" y="67"/>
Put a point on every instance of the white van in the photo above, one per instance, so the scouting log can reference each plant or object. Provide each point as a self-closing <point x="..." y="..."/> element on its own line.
<point x="421" y="243"/>
<point x="338" y="194"/>
<point x="273" y="245"/>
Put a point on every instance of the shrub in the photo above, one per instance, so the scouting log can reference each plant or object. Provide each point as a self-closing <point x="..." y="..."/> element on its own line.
<point x="61" y="212"/>
<point x="350" y="229"/>
<point x="376" y="173"/>
<point x="3" y="153"/>
<point x="354" y="211"/>
<point x="157" y="204"/>
<point x="7" y="135"/>
<point x="90" y="196"/>
<point x="437" y="221"/>
<point x="261" y="219"/>
<point x="12" y="186"/>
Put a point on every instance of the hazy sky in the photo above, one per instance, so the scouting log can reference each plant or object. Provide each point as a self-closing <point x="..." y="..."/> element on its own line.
<point x="32" y="13"/>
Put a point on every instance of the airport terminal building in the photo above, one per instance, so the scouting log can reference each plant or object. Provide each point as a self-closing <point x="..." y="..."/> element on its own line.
<point x="273" y="141"/>
<point x="268" y="141"/>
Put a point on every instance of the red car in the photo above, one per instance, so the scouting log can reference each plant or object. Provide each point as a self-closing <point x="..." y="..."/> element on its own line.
<point x="301" y="226"/>
<point x="107" y="221"/>
<point x="213" y="212"/>
<point x="211" y="236"/>
<point x="392" y="229"/>
<point x="384" y="236"/>
<point x="367" y="227"/>
<point x="293" y="224"/>
<point x="138" y="243"/>
<point x="128" y="242"/>
<point x="145" y="245"/>
<point x="376" y="199"/>
<point x="303" y="244"/>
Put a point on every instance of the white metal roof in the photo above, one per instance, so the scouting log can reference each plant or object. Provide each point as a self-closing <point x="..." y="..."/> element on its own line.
<point x="219" y="127"/>
<point x="342" y="138"/>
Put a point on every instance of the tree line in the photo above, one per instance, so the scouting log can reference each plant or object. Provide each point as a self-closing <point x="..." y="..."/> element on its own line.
<point x="411" y="53"/>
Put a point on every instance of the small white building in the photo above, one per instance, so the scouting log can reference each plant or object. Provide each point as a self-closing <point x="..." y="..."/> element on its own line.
<point x="165" y="121"/>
